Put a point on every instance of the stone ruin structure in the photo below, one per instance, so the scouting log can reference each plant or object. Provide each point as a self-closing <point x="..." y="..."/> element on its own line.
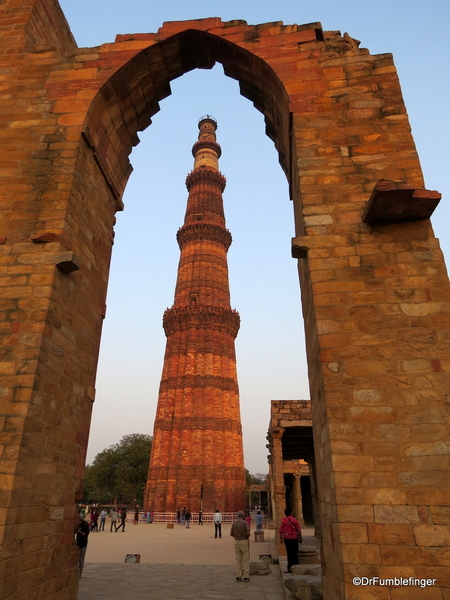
<point x="291" y="461"/>
<point x="375" y="291"/>
<point x="197" y="458"/>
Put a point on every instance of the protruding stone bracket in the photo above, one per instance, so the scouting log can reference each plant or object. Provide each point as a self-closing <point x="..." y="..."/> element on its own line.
<point x="45" y="237"/>
<point x="66" y="262"/>
<point x="90" y="393"/>
<point x="397" y="202"/>
<point x="298" y="248"/>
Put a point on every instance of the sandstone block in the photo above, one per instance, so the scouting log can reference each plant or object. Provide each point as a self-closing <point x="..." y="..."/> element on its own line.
<point x="390" y="534"/>
<point x="432" y="535"/>
<point x="306" y="569"/>
<point x="440" y="514"/>
<point x="405" y="555"/>
<point x="361" y="554"/>
<point x="259" y="567"/>
<point x="366" y="593"/>
<point x="381" y="414"/>
<point x="305" y="588"/>
<point x="351" y="533"/>
<point x="440" y="556"/>
<point x="396" y="514"/>
<point x="341" y="462"/>
<point x="355" y="513"/>
<point x="436" y="448"/>
<point x="426" y="593"/>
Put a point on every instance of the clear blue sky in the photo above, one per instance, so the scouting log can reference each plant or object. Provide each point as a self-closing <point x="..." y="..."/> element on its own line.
<point x="264" y="285"/>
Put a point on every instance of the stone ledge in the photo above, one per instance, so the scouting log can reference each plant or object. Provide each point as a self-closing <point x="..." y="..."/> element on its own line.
<point x="398" y="202"/>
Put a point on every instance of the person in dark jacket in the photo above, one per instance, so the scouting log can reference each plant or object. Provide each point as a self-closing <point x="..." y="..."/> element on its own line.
<point x="123" y="518"/>
<point x="82" y="533"/>
<point x="187" y="518"/>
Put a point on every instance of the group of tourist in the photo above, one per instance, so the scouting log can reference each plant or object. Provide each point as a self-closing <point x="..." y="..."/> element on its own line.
<point x="118" y="515"/>
<point x="184" y="517"/>
<point x="149" y="516"/>
<point x="290" y="533"/>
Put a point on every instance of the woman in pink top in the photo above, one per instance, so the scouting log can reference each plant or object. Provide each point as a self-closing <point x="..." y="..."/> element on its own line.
<point x="248" y="519"/>
<point x="289" y="531"/>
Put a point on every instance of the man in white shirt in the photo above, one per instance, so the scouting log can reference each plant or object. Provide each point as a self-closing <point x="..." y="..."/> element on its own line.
<point x="103" y="516"/>
<point x="217" y="523"/>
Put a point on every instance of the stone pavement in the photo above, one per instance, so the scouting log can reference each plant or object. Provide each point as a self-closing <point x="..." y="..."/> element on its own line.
<point x="102" y="581"/>
<point x="176" y="564"/>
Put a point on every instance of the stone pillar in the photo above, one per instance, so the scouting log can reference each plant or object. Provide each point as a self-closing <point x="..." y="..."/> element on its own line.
<point x="279" y="488"/>
<point x="298" y="499"/>
<point x="315" y="501"/>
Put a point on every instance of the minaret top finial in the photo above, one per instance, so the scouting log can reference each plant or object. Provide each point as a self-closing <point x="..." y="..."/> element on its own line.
<point x="207" y="151"/>
<point x="209" y="118"/>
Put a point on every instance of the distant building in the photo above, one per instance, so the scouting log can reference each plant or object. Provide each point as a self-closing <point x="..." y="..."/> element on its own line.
<point x="291" y="461"/>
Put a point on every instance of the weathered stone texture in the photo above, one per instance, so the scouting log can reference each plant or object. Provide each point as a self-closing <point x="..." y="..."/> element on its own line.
<point x="375" y="296"/>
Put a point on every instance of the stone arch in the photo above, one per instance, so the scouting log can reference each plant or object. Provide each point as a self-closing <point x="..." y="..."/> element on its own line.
<point x="374" y="285"/>
<point x="116" y="115"/>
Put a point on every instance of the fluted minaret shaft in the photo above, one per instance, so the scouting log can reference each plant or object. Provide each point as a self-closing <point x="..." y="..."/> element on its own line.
<point x="197" y="457"/>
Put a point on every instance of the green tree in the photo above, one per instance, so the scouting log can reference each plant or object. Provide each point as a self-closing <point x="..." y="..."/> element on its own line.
<point x="257" y="478"/>
<point x="119" y="473"/>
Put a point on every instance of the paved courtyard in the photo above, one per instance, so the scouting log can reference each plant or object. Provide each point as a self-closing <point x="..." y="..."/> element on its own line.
<point x="176" y="564"/>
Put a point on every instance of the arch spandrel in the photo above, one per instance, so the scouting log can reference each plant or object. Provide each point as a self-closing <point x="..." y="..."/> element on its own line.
<point x="328" y="105"/>
<point x="126" y="102"/>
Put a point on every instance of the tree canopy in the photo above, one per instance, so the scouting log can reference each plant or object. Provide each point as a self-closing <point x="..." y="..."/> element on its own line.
<point x="252" y="478"/>
<point x="119" y="473"/>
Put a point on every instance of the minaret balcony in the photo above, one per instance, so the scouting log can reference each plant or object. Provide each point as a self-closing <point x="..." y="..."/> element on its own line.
<point x="204" y="231"/>
<point x="206" y="145"/>
<point x="197" y="316"/>
<point x="206" y="175"/>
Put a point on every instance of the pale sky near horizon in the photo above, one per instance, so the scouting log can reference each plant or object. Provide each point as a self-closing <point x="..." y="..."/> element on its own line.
<point x="263" y="277"/>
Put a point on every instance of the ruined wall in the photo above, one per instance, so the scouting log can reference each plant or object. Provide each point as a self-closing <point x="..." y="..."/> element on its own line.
<point x="375" y="296"/>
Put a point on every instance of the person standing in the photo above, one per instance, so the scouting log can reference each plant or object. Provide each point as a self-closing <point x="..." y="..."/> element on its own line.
<point x="114" y="515"/>
<point x="200" y="516"/>
<point x="241" y="532"/>
<point x="259" y="521"/>
<point x="96" y="516"/>
<point x="289" y="531"/>
<point x="187" y="518"/>
<point x="217" y="523"/>
<point x="136" y="517"/>
<point x="178" y="516"/>
<point x="82" y="533"/>
<point x="92" y="519"/>
<point x="248" y="518"/>
<point x="103" y="516"/>
<point x="123" y="517"/>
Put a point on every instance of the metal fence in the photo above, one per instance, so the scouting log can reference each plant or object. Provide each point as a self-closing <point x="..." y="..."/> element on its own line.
<point x="171" y="517"/>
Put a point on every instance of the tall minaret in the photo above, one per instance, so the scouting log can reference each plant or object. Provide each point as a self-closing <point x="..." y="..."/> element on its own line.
<point x="197" y="458"/>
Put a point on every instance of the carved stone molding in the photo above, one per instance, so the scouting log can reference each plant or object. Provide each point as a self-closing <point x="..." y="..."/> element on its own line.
<point x="201" y="423"/>
<point x="205" y="175"/>
<point x="199" y="381"/>
<point x="209" y="144"/>
<point x="204" y="231"/>
<point x="195" y="316"/>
